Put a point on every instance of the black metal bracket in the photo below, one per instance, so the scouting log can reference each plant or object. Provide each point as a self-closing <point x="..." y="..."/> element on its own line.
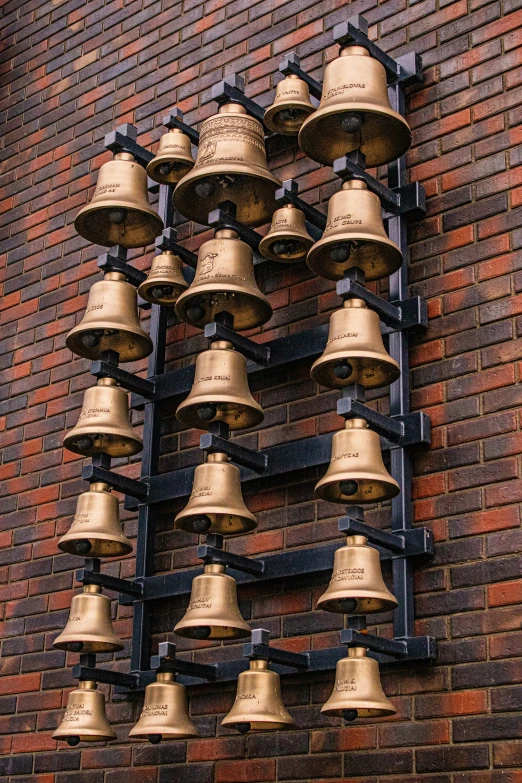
<point x="135" y="489"/>
<point x="258" y="649"/>
<point x="174" y="119"/>
<point x="413" y="647"/>
<point x="115" y="261"/>
<point x="232" y="90"/>
<point x="408" y="314"/>
<point x="407" y="543"/>
<point x="407" y="430"/>
<point x="106" y="676"/>
<point x="222" y="218"/>
<point x="258" y="353"/>
<point x="255" y="460"/>
<point x="166" y="660"/>
<point x="128" y="380"/>
<point x="88" y="577"/>
<point x="315" y="220"/>
<point x="292" y="65"/>
<point x="123" y="139"/>
<point x="167" y="241"/>
<point x="214" y="554"/>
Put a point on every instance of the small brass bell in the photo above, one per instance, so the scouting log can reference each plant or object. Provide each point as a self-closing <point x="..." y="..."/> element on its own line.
<point x="354" y="237"/>
<point x="291" y="106"/>
<point x="119" y="212"/>
<point x="357" y="586"/>
<point x="213" y="612"/>
<point x="103" y="424"/>
<point x="231" y="165"/>
<point x="357" y="691"/>
<point x="89" y="627"/>
<point x="220" y="391"/>
<point x="355" y="113"/>
<point x="173" y="159"/>
<point x="259" y="704"/>
<point x="216" y="504"/>
<point x="165" y="712"/>
<point x="111" y="322"/>
<point x="96" y="530"/>
<point x="356" y="473"/>
<point x="224" y="282"/>
<point x="354" y="351"/>
<point x="165" y="281"/>
<point x="288" y="240"/>
<point x="85" y="719"/>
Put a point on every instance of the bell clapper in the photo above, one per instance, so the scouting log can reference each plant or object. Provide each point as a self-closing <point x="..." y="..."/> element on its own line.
<point x="350" y="715"/>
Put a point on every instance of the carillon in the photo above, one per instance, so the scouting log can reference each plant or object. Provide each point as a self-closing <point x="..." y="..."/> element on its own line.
<point x="165" y="714"/>
<point x="85" y="719"/>
<point x="173" y="160"/>
<point x="165" y="281"/>
<point x="96" y="529"/>
<point x="291" y="106"/>
<point x="288" y="240"/>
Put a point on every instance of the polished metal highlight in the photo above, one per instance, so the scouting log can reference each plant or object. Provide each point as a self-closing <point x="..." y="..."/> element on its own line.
<point x="356" y="473"/>
<point x="357" y="691"/>
<point x="355" y="113"/>
<point x="84" y="719"/>
<point x="259" y="704"/>
<point x="291" y="106"/>
<point x="288" y="241"/>
<point x="354" y="237"/>
<point x="103" y="424"/>
<point x="89" y="627"/>
<point x="165" y="712"/>
<point x="96" y="529"/>
<point x="165" y="281"/>
<point x="173" y="159"/>
<point x="119" y="212"/>
<point x="231" y="166"/>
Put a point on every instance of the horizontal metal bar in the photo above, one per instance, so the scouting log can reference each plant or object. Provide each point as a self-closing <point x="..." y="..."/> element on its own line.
<point x="131" y="487"/>
<point x="255" y="460"/>
<point x="389" y="313"/>
<point x="174" y="119"/>
<point x="87" y="577"/>
<point x="378" y="644"/>
<point x="348" y="167"/>
<point x="249" y="565"/>
<point x="259" y="648"/>
<point x="287" y="194"/>
<point x="123" y="139"/>
<point x="134" y="383"/>
<point x="167" y="241"/>
<point x="113" y="262"/>
<point x="355" y="31"/>
<point x="292" y="64"/>
<point x="232" y="88"/>
<point x="167" y="660"/>
<point x="407" y="430"/>
<point x="257" y="352"/>
<point x="219" y="218"/>
<point x="407" y="543"/>
<point x="130" y="681"/>
<point x="412" y="201"/>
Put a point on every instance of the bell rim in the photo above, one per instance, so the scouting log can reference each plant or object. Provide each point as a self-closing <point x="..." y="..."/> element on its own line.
<point x="91" y="645"/>
<point x="326" y="268"/>
<point x="173" y="177"/>
<point x="387" y="603"/>
<point x="74" y="344"/>
<point x="239" y="632"/>
<point x="264" y="246"/>
<point x="124" y="546"/>
<point x="374" y="710"/>
<point x="190" y="418"/>
<point x="85" y="735"/>
<point x="182" y="522"/>
<point x="88" y="209"/>
<point x="276" y="107"/>
<point x="136" y="443"/>
<point x="321" y="370"/>
<point x="144" y="288"/>
<point x="164" y="734"/>
<point x="262" y="305"/>
<point x="322" y="487"/>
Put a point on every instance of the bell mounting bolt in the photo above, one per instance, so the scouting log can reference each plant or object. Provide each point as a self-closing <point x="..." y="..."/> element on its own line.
<point x="316" y="221"/>
<point x="166" y="661"/>
<point x="123" y="139"/>
<point x="174" y="119"/>
<point x="232" y="90"/>
<point x="213" y="552"/>
<point x="406" y="543"/>
<point x="225" y="217"/>
<point x="292" y="65"/>
<point x="115" y="260"/>
<point x="167" y="241"/>
<point x="408" y="430"/>
<point x="258" y="649"/>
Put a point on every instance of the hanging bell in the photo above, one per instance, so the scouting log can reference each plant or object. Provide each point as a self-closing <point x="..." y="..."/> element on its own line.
<point x="96" y="530"/>
<point x="165" y="712"/>
<point x="110" y="323"/>
<point x="84" y="719"/>
<point x="119" y="212"/>
<point x="290" y="108"/>
<point x="165" y="281"/>
<point x="355" y="113"/>
<point x="216" y="503"/>
<point x="357" y="691"/>
<point x="89" y="627"/>
<point x="259" y="704"/>
<point x="213" y="612"/>
<point x="103" y="424"/>
<point x="288" y="240"/>
<point x="220" y="391"/>
<point x="173" y="159"/>
<point x="230" y="166"/>
<point x="354" y="351"/>
<point x="354" y="237"/>
<point x="224" y="282"/>
<point x="357" y="586"/>
<point x="356" y="473"/>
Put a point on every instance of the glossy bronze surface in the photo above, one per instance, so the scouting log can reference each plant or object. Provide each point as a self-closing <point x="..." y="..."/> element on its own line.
<point x="165" y="281"/>
<point x="89" y="627"/>
<point x="288" y="241"/>
<point x="84" y="719"/>
<point x="358" y="687"/>
<point x="291" y="106"/>
<point x="259" y="704"/>
<point x="165" y="712"/>
<point x="173" y="159"/>
<point x="96" y="529"/>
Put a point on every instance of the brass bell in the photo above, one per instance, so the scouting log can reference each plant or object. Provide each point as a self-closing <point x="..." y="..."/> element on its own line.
<point x="84" y="719"/>
<point x="96" y="530"/>
<point x="89" y="627"/>
<point x="230" y="166"/>
<point x="173" y="159"/>
<point x="354" y="351"/>
<point x="354" y="237"/>
<point x="357" y="691"/>
<point x="356" y="473"/>
<point x="165" y="281"/>
<point x="224" y="281"/>
<point x="119" y="212"/>
<point x="259" y="704"/>
<point x="111" y="322"/>
<point x="220" y="391"/>
<point x="165" y="712"/>
<point x="291" y="106"/>
<point x="213" y="612"/>
<point x="288" y="240"/>
<point x="357" y="586"/>
<point x="216" y="504"/>
<point x="355" y="113"/>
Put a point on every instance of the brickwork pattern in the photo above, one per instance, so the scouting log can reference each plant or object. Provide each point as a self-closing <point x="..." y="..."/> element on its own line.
<point x="71" y="71"/>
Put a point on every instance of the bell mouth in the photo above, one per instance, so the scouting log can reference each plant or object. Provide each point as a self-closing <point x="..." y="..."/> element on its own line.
<point x="97" y="546"/>
<point x="160" y="292"/>
<point x="92" y="342"/>
<point x="357" y="605"/>
<point x="286" y="248"/>
<point x="169" y="170"/>
<point x="191" y="631"/>
<point x="287" y="117"/>
<point x="377" y="258"/>
<point x="111" y="443"/>
<point x="236" y="415"/>
<point x="89" y="646"/>
<point x="220" y="522"/>
<point x="200" y="309"/>
<point x="368" y="371"/>
<point x="138" y="228"/>
<point x="368" y="490"/>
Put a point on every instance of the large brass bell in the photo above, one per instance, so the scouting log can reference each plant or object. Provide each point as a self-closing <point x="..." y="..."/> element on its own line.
<point x="259" y="704"/>
<point x="111" y="322"/>
<point x="213" y="612"/>
<point x="173" y="159"/>
<point x="357" y="691"/>
<point x="230" y="166"/>
<point x="356" y="473"/>
<point x="165" y="281"/>
<point x="220" y="391"/>
<point x="96" y="530"/>
<point x="89" y="627"/>
<point x="354" y="351"/>
<point x="216" y="504"/>
<point x="165" y="712"/>
<point x="224" y="281"/>
<point x="357" y="586"/>
<point x="119" y="212"/>
<point x="288" y="240"/>
<point x="84" y="719"/>
<point x="355" y="113"/>
<point x="291" y="106"/>
<point x="354" y="237"/>
<point x="103" y="424"/>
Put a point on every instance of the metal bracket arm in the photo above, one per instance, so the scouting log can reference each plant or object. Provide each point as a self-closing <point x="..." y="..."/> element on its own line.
<point x="255" y="460"/>
<point x="123" y="139"/>
<point x="166" y="660"/>
<point x="174" y="119"/>
<point x="292" y="64"/>
<point x="259" y="648"/>
<point x="399" y="315"/>
<point x="407" y="543"/>
<point x="258" y="353"/>
<point x="167" y="241"/>
<point x="401" y="430"/>
<point x="232" y="89"/>
<point x="133" y="383"/>
<point x="115" y="261"/>
<point x="131" y="681"/>
<point x="123" y="484"/>
<point x="210" y="554"/>
<point x="220" y="218"/>
<point x="394" y="647"/>
<point x="87" y="577"/>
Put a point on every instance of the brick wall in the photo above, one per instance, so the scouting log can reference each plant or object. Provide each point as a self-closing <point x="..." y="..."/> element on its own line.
<point x="71" y="71"/>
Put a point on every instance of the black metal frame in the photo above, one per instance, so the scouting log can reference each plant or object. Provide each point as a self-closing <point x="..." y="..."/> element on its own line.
<point x="399" y="430"/>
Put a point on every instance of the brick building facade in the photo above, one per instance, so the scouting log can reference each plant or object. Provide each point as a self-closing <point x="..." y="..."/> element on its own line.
<point x="71" y="70"/>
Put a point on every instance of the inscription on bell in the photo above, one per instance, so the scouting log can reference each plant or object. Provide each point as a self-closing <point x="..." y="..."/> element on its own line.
<point x="242" y="696"/>
<point x="347" y="574"/>
<point x="342" y="88"/>
<point x="345" y="455"/>
<point x="153" y="710"/>
<point x="342" y="220"/>
<point x="343" y="336"/>
<point x="93" y="413"/>
<point x="341" y="686"/>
